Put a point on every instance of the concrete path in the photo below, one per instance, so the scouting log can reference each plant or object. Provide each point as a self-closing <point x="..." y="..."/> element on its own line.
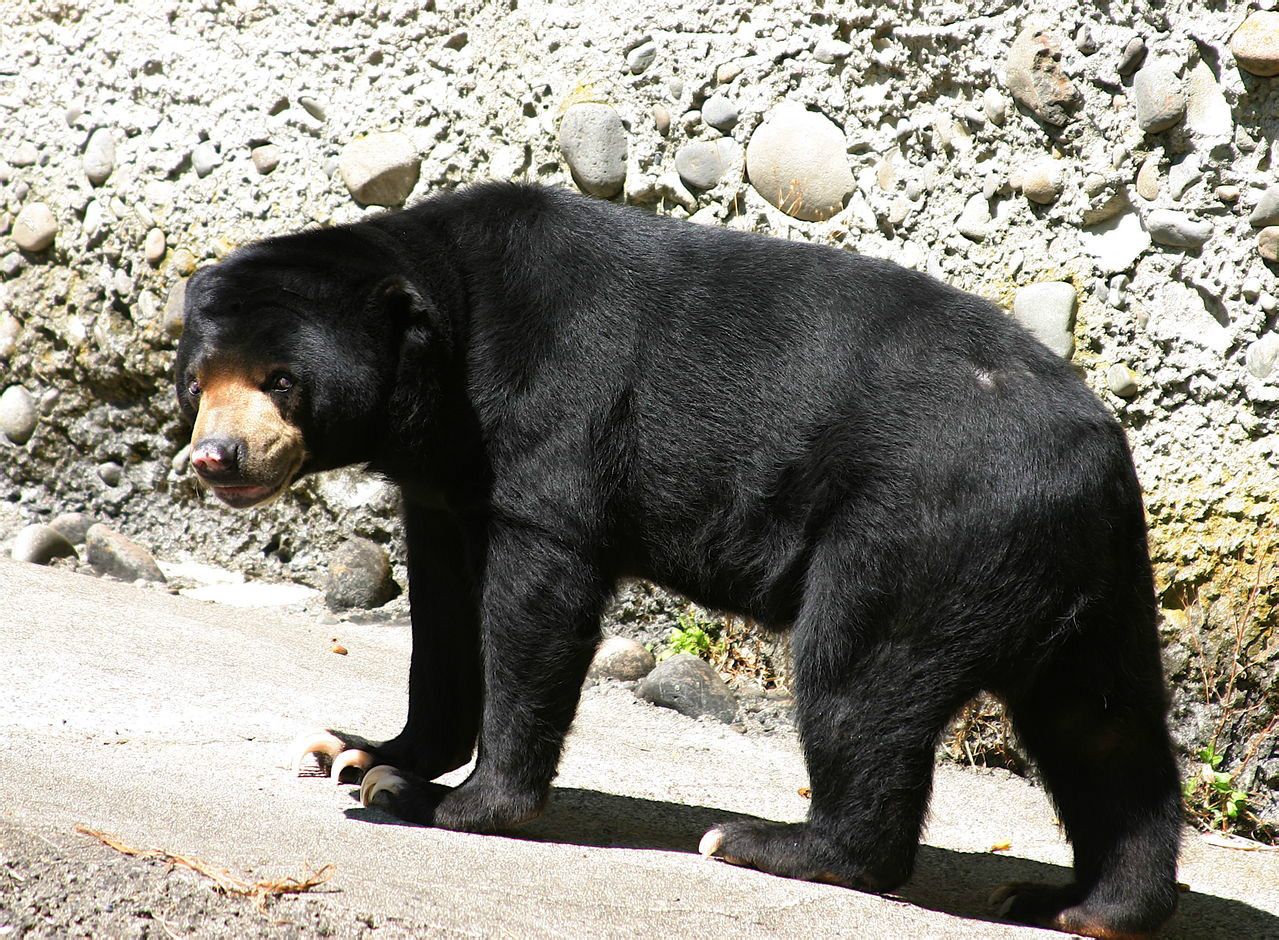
<point x="165" y="722"/>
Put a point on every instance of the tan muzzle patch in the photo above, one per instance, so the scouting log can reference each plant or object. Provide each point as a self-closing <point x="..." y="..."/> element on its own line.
<point x="234" y="407"/>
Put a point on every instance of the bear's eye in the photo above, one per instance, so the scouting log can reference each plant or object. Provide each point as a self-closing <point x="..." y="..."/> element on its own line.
<point x="193" y="388"/>
<point x="281" y="382"/>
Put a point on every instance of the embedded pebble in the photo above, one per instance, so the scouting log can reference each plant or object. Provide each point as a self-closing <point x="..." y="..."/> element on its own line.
<point x="661" y="120"/>
<point x="99" y="156"/>
<point x="830" y="50"/>
<point x="1133" y="55"/>
<point x="1263" y="356"/>
<point x="1041" y="181"/>
<point x="1208" y="114"/>
<point x="73" y="526"/>
<point x="111" y="473"/>
<point x="205" y="158"/>
<point x="1268" y="242"/>
<point x="10" y="330"/>
<point x="154" y="247"/>
<point x="1177" y="229"/>
<point x="1121" y="380"/>
<point x="359" y="576"/>
<point x="623" y="659"/>
<point x="18" y="414"/>
<point x="719" y="112"/>
<point x="691" y="687"/>
<point x="1266" y="212"/>
<point x="995" y="106"/>
<point x="594" y="143"/>
<point x="641" y="57"/>
<point x="1148" y="177"/>
<point x="39" y="544"/>
<point x="265" y="158"/>
<point x="702" y="164"/>
<point x="173" y="307"/>
<point x="380" y="169"/>
<point x="1159" y="97"/>
<point x="1047" y="310"/>
<point x="1183" y="174"/>
<point x="797" y="160"/>
<point x="110" y="552"/>
<point x="35" y="227"/>
<point x="1036" y="79"/>
<point x="974" y="222"/>
<point x="25" y="154"/>
<point x="1255" y="44"/>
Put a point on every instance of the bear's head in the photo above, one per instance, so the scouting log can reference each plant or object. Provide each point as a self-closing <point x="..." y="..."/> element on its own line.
<point x="288" y="359"/>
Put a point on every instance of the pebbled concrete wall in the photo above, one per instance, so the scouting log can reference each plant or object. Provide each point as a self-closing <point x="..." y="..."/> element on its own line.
<point x="1108" y="173"/>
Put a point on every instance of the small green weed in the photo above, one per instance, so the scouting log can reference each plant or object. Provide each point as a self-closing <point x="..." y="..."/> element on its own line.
<point x="696" y="635"/>
<point x="1211" y="795"/>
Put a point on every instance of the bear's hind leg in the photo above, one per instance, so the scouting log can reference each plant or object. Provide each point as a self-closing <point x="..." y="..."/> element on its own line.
<point x="1093" y="721"/>
<point x="870" y="721"/>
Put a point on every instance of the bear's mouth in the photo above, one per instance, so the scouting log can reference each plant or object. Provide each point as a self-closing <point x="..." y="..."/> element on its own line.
<point x="242" y="497"/>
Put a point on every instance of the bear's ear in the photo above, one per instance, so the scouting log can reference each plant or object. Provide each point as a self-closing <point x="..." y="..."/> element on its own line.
<point x="403" y="303"/>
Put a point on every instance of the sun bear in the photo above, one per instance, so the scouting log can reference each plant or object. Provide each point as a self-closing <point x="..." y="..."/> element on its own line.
<point x="569" y="393"/>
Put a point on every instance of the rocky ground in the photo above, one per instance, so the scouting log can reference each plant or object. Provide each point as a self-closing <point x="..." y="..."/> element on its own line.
<point x="1106" y="173"/>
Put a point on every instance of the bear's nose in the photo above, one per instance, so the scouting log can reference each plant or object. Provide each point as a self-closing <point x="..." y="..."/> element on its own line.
<point x="216" y="457"/>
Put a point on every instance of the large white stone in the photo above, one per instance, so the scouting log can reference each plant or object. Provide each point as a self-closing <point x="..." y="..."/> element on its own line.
<point x="380" y="169"/>
<point x="1116" y="243"/>
<point x="1047" y="309"/>
<point x="1207" y="111"/>
<point x="1255" y="44"/>
<point x="797" y="160"/>
<point x="594" y="143"/>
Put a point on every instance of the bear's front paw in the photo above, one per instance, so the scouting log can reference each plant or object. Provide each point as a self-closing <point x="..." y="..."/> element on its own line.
<point x="326" y="754"/>
<point x="471" y="807"/>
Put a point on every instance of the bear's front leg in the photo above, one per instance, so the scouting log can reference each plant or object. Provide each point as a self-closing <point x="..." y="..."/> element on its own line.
<point x="542" y="600"/>
<point x="445" y="681"/>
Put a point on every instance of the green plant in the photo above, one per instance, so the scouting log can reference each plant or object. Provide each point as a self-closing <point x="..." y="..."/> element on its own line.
<point x="1211" y="795"/>
<point x="696" y="635"/>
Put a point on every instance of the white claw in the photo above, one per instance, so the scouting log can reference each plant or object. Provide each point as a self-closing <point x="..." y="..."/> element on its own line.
<point x="381" y="778"/>
<point x="323" y="744"/>
<point x="711" y="842"/>
<point x="352" y="757"/>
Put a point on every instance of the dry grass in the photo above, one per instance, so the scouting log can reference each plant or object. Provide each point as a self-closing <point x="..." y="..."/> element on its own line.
<point x="260" y="892"/>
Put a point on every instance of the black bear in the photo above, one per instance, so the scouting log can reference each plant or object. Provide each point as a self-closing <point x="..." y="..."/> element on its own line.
<point x="569" y="393"/>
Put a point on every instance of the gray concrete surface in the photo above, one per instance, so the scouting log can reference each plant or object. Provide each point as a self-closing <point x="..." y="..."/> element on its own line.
<point x="166" y="722"/>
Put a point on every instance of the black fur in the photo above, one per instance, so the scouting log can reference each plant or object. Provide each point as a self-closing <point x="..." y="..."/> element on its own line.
<point x="569" y="393"/>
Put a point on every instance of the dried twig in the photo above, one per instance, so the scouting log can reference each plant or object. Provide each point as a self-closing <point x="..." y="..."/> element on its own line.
<point x="223" y="880"/>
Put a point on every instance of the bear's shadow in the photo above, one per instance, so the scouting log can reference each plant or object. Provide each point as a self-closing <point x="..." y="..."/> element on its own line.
<point x="945" y="880"/>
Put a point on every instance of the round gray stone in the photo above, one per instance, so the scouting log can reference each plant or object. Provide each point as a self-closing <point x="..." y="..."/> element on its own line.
<point x="621" y="658"/>
<point x="1177" y="229"/>
<point x="39" y="544"/>
<point x="35" y="227"/>
<point x="594" y="143"/>
<point x="119" y="556"/>
<point x="1263" y="356"/>
<point x="359" y="576"/>
<point x="1047" y="310"/>
<point x="99" y="156"/>
<point x="1041" y="182"/>
<point x="1266" y="212"/>
<point x="380" y="169"/>
<point x="1255" y="44"/>
<point x="73" y="526"/>
<point x="18" y="414"/>
<point x="110" y="473"/>
<point x="797" y="159"/>
<point x="1159" y="96"/>
<point x="701" y="164"/>
<point x="174" y="307"/>
<point x="719" y="112"/>
<point x="691" y="687"/>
